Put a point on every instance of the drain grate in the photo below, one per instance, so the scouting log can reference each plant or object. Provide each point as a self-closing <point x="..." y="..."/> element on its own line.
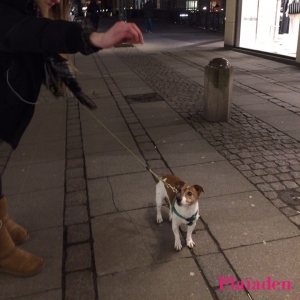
<point x="144" y="98"/>
<point x="291" y="197"/>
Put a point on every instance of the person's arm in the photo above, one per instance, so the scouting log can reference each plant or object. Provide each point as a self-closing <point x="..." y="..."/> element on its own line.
<point x="21" y="33"/>
<point x="120" y="33"/>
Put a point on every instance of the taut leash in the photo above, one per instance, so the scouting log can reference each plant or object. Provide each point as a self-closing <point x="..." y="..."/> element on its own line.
<point x="137" y="158"/>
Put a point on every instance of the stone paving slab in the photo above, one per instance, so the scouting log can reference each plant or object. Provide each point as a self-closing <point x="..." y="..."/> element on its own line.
<point x="158" y="238"/>
<point x="246" y="100"/>
<point x="106" y="142"/>
<point x="185" y="153"/>
<point x="214" y="266"/>
<point x="46" y="206"/>
<point x="160" y="119"/>
<point x="284" y="122"/>
<point x="99" y="165"/>
<point x="173" y="133"/>
<point x="217" y="178"/>
<point x="266" y="110"/>
<point x="101" y="197"/>
<point x="133" y="191"/>
<point x="278" y="259"/>
<point x="238" y="214"/>
<point x="47" y="295"/>
<point x="156" y="282"/>
<point x="37" y="153"/>
<point x="118" y="246"/>
<point x="92" y="127"/>
<point x="23" y="178"/>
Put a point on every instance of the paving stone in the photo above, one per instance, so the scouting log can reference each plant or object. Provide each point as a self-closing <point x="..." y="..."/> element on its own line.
<point x="116" y="234"/>
<point x="75" y="163"/>
<point x="139" y="283"/>
<point x="270" y="178"/>
<point x="75" y="184"/>
<point x="238" y="214"/>
<point x="101" y="198"/>
<point x="74" y="173"/>
<point x="265" y="187"/>
<point x="76" y="198"/>
<point x="151" y="154"/>
<point x="288" y="211"/>
<point x="47" y="295"/>
<point x="125" y="190"/>
<point x="78" y="233"/>
<point x="80" y="285"/>
<point x="204" y="243"/>
<point x="278" y="203"/>
<point x="74" y="153"/>
<point x="265" y="259"/>
<point x="188" y="152"/>
<point x="271" y="195"/>
<point x="256" y="180"/>
<point x="290" y="184"/>
<point x="100" y="164"/>
<point x="277" y="186"/>
<point x="214" y="266"/>
<point x="78" y="257"/>
<point x="295" y="219"/>
<point x="228" y="293"/>
<point x="76" y="215"/>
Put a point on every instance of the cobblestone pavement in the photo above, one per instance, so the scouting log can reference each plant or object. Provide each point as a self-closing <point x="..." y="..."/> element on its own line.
<point x="267" y="157"/>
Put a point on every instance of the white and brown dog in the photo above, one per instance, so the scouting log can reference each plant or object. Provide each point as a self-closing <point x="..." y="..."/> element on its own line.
<point x="184" y="208"/>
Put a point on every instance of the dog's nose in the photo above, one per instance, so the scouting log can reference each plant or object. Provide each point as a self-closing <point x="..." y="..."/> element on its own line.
<point x="178" y="199"/>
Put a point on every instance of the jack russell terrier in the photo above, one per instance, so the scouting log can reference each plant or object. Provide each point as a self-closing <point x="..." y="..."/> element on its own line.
<point x="183" y="205"/>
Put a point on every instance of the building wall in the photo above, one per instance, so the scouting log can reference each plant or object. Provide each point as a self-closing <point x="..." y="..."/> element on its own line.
<point x="230" y="23"/>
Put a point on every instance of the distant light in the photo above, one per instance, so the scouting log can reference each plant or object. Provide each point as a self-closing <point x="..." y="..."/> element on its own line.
<point x="183" y="15"/>
<point x="204" y="8"/>
<point x="222" y="8"/>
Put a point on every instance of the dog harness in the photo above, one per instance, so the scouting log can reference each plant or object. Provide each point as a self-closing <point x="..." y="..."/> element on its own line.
<point x="189" y="220"/>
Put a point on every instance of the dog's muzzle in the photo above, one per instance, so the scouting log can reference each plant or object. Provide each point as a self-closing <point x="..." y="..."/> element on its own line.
<point x="178" y="200"/>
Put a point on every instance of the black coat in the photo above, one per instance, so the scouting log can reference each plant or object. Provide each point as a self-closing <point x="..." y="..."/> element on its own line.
<point x="24" y="41"/>
<point x="148" y="10"/>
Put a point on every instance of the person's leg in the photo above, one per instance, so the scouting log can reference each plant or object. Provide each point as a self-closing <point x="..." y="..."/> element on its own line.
<point x="150" y="24"/>
<point x="14" y="260"/>
<point x="17" y="232"/>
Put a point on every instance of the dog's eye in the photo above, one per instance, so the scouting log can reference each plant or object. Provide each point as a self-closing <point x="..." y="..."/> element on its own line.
<point x="190" y="194"/>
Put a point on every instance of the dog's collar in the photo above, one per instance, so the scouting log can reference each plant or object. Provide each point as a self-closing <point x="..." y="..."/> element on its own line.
<point x="189" y="220"/>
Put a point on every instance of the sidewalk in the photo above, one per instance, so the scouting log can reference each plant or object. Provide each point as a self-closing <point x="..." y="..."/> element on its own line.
<point x="89" y="205"/>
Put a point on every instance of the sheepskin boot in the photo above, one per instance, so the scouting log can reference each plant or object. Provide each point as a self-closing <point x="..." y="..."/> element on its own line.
<point x="17" y="232"/>
<point x="16" y="261"/>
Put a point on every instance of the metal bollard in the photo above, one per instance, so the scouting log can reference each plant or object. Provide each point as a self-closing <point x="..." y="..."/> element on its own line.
<point x="217" y="90"/>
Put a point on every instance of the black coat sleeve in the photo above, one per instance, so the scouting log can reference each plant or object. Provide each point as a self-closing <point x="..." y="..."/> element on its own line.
<point x="21" y="33"/>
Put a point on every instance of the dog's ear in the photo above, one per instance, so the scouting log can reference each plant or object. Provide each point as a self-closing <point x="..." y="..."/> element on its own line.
<point x="179" y="184"/>
<point x="199" y="189"/>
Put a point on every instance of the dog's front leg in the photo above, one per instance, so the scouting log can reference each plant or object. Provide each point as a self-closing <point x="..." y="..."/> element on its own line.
<point x="175" y="227"/>
<point x="189" y="241"/>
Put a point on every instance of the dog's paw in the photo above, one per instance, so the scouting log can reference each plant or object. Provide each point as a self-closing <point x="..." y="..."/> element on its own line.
<point x="190" y="243"/>
<point x="177" y="246"/>
<point x="159" y="219"/>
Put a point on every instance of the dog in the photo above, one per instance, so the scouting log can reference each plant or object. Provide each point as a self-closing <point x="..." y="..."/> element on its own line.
<point x="183" y="205"/>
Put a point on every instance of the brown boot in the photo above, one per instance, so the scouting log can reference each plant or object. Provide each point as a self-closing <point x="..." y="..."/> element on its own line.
<point x="18" y="234"/>
<point x="16" y="261"/>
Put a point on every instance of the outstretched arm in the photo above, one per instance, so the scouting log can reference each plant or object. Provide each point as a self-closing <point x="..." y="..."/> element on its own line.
<point x="119" y="33"/>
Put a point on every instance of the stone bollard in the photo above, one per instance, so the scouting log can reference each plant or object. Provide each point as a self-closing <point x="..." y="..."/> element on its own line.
<point x="217" y="90"/>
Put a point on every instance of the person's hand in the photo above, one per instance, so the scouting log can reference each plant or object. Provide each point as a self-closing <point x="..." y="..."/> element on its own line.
<point x="119" y="33"/>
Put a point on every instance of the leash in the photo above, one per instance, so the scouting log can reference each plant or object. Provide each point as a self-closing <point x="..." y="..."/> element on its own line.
<point x="137" y="158"/>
